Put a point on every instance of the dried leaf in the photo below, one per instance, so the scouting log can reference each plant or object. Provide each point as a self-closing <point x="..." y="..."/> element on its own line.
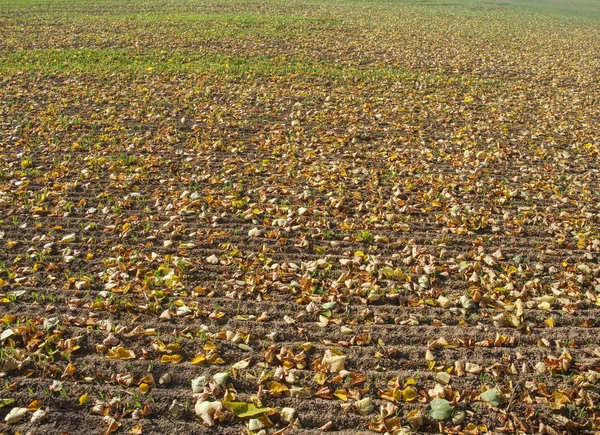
<point x="120" y="352"/>
<point x="15" y="415"/>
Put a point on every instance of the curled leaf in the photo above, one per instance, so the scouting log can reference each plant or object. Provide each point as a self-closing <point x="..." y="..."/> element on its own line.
<point x="121" y="353"/>
<point x="364" y="406"/>
<point x="15" y="415"/>
<point x="173" y="359"/>
<point x="207" y="410"/>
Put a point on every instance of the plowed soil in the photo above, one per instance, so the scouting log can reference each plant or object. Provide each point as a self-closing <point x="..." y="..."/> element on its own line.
<point x="257" y="188"/>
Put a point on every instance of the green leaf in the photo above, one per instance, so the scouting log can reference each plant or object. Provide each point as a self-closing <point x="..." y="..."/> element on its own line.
<point x="492" y="396"/>
<point x="245" y="410"/>
<point x="441" y="409"/>
<point x="329" y="305"/>
<point x="326" y="313"/>
<point x="5" y="402"/>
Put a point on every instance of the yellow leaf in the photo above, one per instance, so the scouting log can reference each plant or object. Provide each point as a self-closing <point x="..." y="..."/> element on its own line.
<point x="84" y="399"/>
<point x="34" y="406"/>
<point x="409" y="394"/>
<point x="144" y="388"/>
<point x="69" y="370"/>
<point x="471" y="429"/>
<point x="390" y="395"/>
<point x="112" y="427"/>
<point x="277" y="388"/>
<point x="166" y="348"/>
<point x="341" y="394"/>
<point x="136" y="430"/>
<point x="229" y="396"/>
<point x="148" y="379"/>
<point x="398" y="274"/>
<point x="174" y="359"/>
<point x="199" y="359"/>
<point x="120" y="352"/>
<point x="215" y="359"/>
<point x="320" y="378"/>
<point x="555" y="405"/>
<point x="550" y="322"/>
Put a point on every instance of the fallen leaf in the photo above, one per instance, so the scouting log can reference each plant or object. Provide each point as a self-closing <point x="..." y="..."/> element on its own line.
<point x="5" y="402"/>
<point x="121" y="353"/>
<point x="492" y="396"/>
<point x="441" y="409"/>
<point x="15" y="415"/>
<point x="245" y="410"/>
<point x="84" y="399"/>
<point x="173" y="359"/>
<point x="113" y="425"/>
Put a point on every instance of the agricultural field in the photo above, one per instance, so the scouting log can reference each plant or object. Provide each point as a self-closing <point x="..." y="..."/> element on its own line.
<point x="286" y="216"/>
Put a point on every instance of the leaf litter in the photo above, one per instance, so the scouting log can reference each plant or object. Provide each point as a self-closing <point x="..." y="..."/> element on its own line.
<point x="297" y="220"/>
